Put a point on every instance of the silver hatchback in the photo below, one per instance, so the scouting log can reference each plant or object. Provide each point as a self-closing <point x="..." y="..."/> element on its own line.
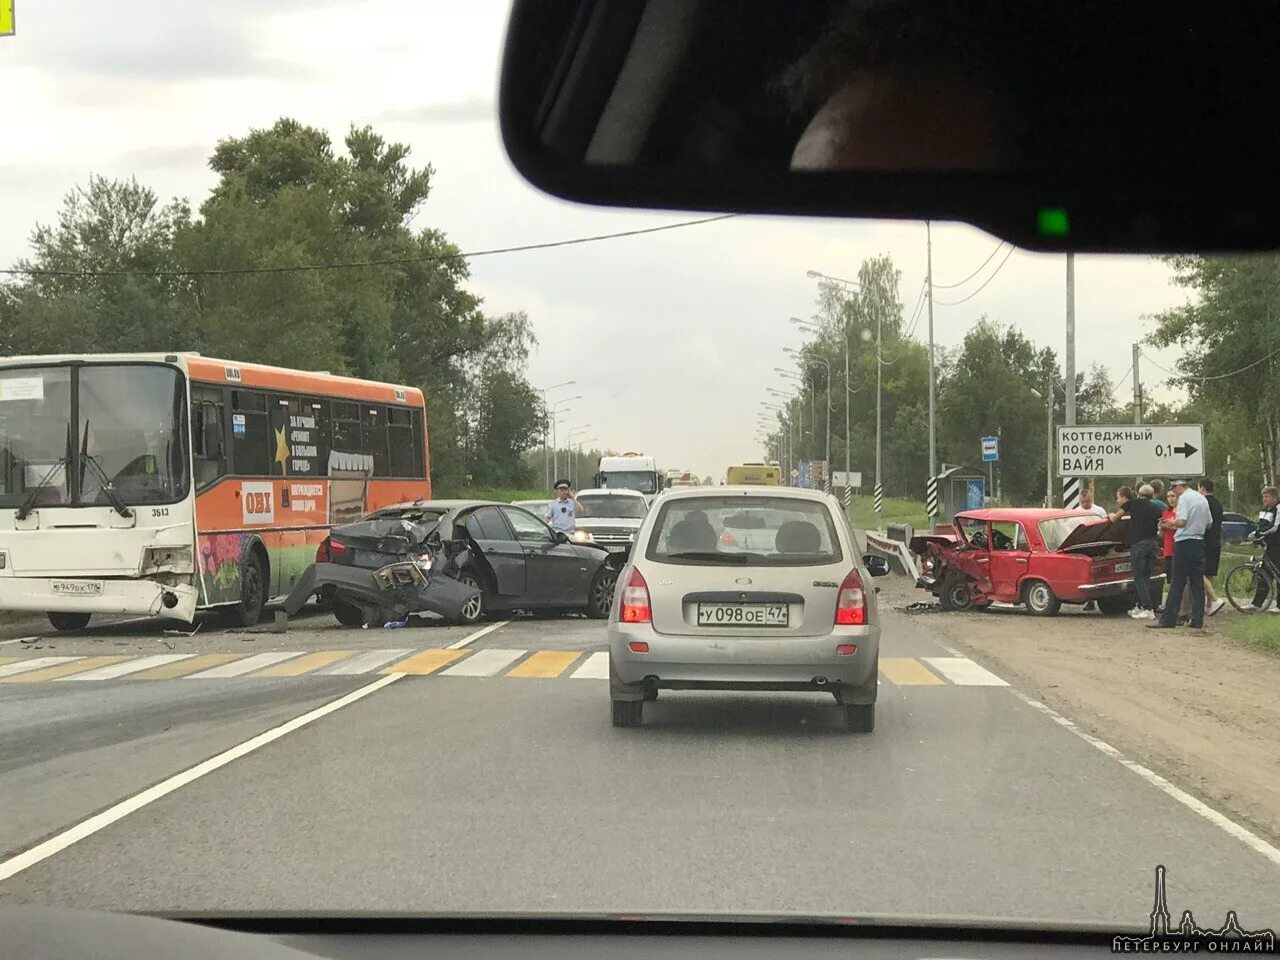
<point x="745" y="588"/>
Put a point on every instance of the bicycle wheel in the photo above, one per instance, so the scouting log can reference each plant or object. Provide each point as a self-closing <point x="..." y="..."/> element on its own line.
<point x="1242" y="584"/>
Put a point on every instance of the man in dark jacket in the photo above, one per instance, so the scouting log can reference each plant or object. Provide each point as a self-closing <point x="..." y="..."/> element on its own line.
<point x="1268" y="534"/>
<point x="1212" y="549"/>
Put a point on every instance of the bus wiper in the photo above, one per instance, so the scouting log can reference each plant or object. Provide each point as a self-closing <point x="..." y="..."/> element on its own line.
<point x="24" y="511"/>
<point x="108" y="489"/>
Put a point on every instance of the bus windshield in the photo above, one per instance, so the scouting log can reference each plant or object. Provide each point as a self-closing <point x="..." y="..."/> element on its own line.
<point x="125" y="430"/>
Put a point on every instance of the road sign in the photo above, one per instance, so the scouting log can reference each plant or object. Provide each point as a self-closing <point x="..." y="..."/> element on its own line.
<point x="1131" y="450"/>
<point x="851" y="479"/>
<point x="6" y="18"/>
<point x="990" y="449"/>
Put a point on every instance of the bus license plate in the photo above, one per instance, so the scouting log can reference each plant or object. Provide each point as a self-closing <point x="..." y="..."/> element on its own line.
<point x="1123" y="567"/>
<point x="78" y="588"/>
<point x="743" y="615"/>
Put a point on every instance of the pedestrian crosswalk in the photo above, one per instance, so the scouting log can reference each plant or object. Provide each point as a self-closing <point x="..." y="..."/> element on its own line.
<point x="435" y="662"/>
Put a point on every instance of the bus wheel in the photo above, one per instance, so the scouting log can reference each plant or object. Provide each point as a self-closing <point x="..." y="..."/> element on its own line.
<point x="69" y="621"/>
<point x="253" y="591"/>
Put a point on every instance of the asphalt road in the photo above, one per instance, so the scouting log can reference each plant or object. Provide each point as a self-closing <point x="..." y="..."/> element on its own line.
<point x="483" y="774"/>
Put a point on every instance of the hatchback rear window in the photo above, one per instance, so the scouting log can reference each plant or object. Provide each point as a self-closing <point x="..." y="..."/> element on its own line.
<point x="744" y="531"/>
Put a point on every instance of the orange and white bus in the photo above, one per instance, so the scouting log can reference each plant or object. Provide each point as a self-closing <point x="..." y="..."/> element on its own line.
<point x="167" y="483"/>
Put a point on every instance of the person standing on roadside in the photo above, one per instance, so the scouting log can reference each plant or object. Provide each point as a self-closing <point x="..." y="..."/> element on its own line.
<point x="1268" y="534"/>
<point x="1161" y="499"/>
<point x="1212" y="547"/>
<point x="1189" y="525"/>
<point x="1087" y="503"/>
<point x="1143" y="514"/>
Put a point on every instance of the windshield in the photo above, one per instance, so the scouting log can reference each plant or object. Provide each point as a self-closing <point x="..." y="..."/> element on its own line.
<point x="129" y="433"/>
<point x="640" y="480"/>
<point x="623" y="508"/>
<point x="737" y="531"/>
<point x="1053" y="532"/>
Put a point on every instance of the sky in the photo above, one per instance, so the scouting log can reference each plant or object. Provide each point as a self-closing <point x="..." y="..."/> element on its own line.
<point x="671" y="339"/>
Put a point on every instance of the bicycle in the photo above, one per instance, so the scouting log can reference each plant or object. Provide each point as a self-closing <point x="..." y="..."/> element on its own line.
<point x="1243" y="581"/>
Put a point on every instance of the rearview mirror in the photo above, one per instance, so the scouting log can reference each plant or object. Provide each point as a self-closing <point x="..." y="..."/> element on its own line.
<point x="1082" y="125"/>
<point x="876" y="566"/>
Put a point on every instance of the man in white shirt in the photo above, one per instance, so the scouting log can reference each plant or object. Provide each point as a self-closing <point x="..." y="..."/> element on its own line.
<point x="1190" y="524"/>
<point x="1086" y="502"/>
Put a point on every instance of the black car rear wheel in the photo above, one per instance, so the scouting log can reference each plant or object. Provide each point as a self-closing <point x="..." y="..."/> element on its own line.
<point x="627" y="713"/>
<point x="69" y="621"/>
<point x="600" y="594"/>
<point x="859" y="717"/>
<point x="473" y="610"/>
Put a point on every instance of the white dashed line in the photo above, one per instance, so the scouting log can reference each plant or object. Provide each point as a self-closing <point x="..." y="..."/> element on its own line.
<point x="459" y="644"/>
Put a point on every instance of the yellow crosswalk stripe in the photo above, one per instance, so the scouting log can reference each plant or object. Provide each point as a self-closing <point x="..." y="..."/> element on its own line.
<point x="908" y="672"/>
<point x="183" y="667"/>
<point x="301" y="665"/>
<point x="4" y="660"/>
<point x="545" y="664"/>
<point x="428" y="661"/>
<point x="61" y="670"/>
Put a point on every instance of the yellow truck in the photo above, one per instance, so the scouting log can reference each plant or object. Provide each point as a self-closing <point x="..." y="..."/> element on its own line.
<point x="754" y="474"/>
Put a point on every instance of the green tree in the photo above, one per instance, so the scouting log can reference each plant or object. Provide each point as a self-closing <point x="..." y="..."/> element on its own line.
<point x="1231" y="367"/>
<point x="112" y="226"/>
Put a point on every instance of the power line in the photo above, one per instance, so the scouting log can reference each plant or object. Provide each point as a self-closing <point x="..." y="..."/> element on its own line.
<point x="954" y="303"/>
<point x="1120" y="381"/>
<point x="952" y="286"/>
<point x="1216" y="376"/>
<point x="388" y="262"/>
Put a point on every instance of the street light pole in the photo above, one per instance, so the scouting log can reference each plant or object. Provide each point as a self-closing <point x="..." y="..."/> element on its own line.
<point x="1048" y="438"/>
<point x="546" y="426"/>
<point x="555" y="458"/>
<point x="827" y="364"/>
<point x="568" y="448"/>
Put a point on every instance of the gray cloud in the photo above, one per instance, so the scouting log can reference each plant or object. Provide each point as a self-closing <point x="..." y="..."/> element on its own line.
<point x="164" y="42"/>
<point x="462" y="111"/>
<point x="189" y="157"/>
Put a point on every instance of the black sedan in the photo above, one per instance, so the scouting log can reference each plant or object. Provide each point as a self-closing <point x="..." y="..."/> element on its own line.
<point x="510" y="558"/>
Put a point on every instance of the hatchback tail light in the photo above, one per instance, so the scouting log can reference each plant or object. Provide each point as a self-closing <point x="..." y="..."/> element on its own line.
<point x="635" y="599"/>
<point x="851" y="602"/>
<point x="330" y="550"/>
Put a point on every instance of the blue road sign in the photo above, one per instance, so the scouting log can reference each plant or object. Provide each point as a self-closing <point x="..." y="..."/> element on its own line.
<point x="990" y="449"/>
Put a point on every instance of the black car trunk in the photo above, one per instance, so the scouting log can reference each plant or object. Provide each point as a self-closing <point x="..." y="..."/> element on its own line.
<point x="379" y="541"/>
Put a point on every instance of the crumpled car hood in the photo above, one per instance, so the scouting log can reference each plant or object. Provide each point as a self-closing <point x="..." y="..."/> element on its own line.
<point x="384" y="534"/>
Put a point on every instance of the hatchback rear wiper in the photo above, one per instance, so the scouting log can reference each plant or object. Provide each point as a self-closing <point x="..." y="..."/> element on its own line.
<point x="714" y="556"/>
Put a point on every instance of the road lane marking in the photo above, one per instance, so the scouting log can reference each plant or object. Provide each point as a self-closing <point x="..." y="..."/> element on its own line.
<point x="484" y="663"/>
<point x="18" y="640"/>
<point x="129" y="666"/>
<point x="21" y="666"/>
<point x="42" y="851"/>
<point x="178" y="669"/>
<point x="366" y="662"/>
<point x="908" y="672"/>
<point x="595" y="667"/>
<point x="964" y="672"/>
<point x="545" y="664"/>
<point x="61" y="670"/>
<point x="312" y="661"/>
<point x="1245" y="836"/>
<point x="239" y="668"/>
<point x="428" y="661"/>
<point x="459" y="644"/>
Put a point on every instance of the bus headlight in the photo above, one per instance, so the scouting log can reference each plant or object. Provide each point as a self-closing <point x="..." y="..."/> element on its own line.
<point x="167" y="559"/>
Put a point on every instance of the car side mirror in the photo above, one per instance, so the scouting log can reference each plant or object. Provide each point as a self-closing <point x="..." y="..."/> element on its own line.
<point x="876" y="566"/>
<point x="559" y="536"/>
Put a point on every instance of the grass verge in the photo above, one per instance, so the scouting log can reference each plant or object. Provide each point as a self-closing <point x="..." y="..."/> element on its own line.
<point x="896" y="510"/>
<point x="491" y="493"/>
<point x="1257" y="631"/>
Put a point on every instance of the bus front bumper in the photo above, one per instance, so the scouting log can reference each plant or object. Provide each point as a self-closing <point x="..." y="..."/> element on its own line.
<point x="98" y="595"/>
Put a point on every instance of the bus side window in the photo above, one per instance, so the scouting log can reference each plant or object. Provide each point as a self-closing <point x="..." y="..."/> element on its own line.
<point x="251" y="445"/>
<point x="207" y="441"/>
<point x="375" y="438"/>
<point x="402" y="442"/>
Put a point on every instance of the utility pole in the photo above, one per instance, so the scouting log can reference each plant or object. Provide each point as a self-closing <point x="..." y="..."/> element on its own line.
<point x="845" y="492"/>
<point x="1048" y="436"/>
<point x="1071" y="485"/>
<point x="879" y="492"/>
<point x="933" y="441"/>
<point x="1137" y="386"/>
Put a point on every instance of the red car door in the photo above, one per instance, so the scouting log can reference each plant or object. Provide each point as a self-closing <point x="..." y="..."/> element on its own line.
<point x="1010" y="555"/>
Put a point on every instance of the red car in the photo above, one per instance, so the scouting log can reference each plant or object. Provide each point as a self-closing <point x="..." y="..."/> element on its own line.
<point x="1037" y="557"/>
